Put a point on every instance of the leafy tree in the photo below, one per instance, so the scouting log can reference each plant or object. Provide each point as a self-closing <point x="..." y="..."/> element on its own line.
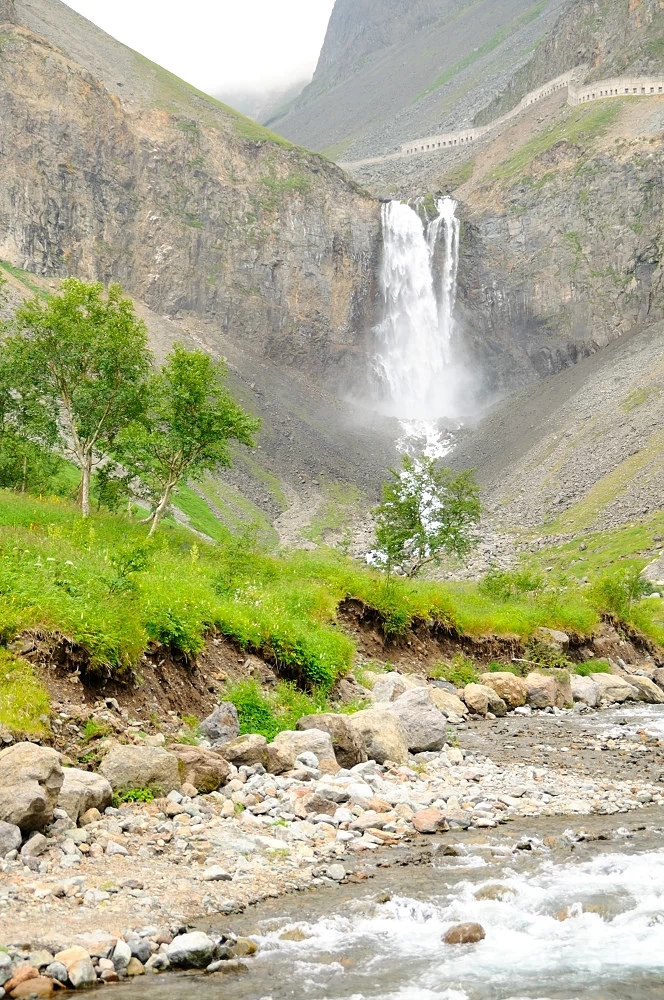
<point x="78" y="366"/>
<point x="427" y="511"/>
<point x="186" y="429"/>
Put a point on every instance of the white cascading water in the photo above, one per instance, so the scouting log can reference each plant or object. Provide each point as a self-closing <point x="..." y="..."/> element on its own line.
<point x="413" y="364"/>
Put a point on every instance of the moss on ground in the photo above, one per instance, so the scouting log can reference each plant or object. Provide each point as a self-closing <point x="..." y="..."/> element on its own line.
<point x="24" y="702"/>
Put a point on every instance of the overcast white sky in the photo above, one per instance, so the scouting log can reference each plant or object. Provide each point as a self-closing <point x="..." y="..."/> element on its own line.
<point x="219" y="45"/>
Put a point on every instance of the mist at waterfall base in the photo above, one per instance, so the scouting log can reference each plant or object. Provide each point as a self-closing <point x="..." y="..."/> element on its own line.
<point x="416" y="377"/>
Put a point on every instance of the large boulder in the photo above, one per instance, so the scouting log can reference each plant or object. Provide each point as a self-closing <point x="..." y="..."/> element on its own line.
<point x="648" y="691"/>
<point x="480" y="699"/>
<point x="585" y="690"/>
<point x="83" y="790"/>
<point x="191" y="951"/>
<point x="658" y="677"/>
<point x="391" y="686"/>
<point x="348" y="745"/>
<point x="245" y="750"/>
<point x="540" y="690"/>
<point x="507" y="686"/>
<point x="222" y="725"/>
<point x="425" y="726"/>
<point x="654" y="572"/>
<point x="549" y="688"/>
<point x="204" y="769"/>
<point x="384" y="734"/>
<point x="613" y="687"/>
<point x="30" y="781"/>
<point x="141" y="767"/>
<point x="287" y="746"/>
<point x="449" y="704"/>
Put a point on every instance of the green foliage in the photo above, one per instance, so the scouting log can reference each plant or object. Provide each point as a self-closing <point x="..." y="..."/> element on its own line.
<point x="133" y="795"/>
<point x="460" y="671"/>
<point x="342" y="500"/>
<point x="618" y="591"/>
<point x="592" y="667"/>
<point x="503" y="585"/>
<point x="112" y="487"/>
<point x="93" y="730"/>
<point x="581" y="125"/>
<point x="496" y="667"/>
<point x="426" y="512"/>
<point x="186" y="427"/>
<point x="269" y="713"/>
<point x="24" y="702"/>
<point x="640" y="396"/>
<point x="545" y="655"/>
<point x="76" y="367"/>
<point x="458" y="175"/>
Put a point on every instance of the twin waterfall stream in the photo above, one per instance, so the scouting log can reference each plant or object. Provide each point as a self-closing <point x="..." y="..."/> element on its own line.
<point x="413" y="364"/>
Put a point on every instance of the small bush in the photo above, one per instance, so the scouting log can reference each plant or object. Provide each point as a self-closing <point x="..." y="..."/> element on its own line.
<point x="133" y="795"/>
<point x="496" y="667"/>
<point x="93" y="730"/>
<point x="460" y="671"/>
<point x="509" y="586"/>
<point x="24" y="703"/>
<point x="618" y="591"/>
<point x="269" y="713"/>
<point x="545" y="655"/>
<point x="592" y="667"/>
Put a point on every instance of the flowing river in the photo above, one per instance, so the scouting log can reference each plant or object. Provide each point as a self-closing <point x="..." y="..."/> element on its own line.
<point x="569" y="914"/>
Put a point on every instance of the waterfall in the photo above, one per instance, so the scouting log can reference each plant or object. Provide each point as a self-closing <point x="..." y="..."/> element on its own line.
<point x="413" y="365"/>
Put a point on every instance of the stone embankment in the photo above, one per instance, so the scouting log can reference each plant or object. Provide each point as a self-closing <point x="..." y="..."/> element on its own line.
<point x="582" y="94"/>
<point x="104" y="874"/>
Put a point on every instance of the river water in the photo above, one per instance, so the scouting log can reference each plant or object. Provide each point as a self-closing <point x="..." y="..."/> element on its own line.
<point x="566" y="918"/>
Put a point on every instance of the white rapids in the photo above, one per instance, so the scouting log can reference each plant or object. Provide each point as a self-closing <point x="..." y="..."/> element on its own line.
<point x="413" y="364"/>
<point x="563" y="930"/>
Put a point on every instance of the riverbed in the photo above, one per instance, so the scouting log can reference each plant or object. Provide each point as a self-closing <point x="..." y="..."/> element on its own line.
<point x="569" y="910"/>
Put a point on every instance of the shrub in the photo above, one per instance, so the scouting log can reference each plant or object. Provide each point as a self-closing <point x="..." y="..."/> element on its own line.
<point x="592" y="667"/>
<point x="269" y="713"/>
<point x="496" y="667"/>
<point x="24" y="702"/>
<point x="618" y="591"/>
<point x="545" y="655"/>
<point x="460" y="671"/>
<point x="133" y="795"/>
<point x="502" y="585"/>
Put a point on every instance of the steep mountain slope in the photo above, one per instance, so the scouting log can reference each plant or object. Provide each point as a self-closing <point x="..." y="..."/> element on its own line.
<point x="584" y="450"/>
<point x="113" y="168"/>
<point x="390" y="71"/>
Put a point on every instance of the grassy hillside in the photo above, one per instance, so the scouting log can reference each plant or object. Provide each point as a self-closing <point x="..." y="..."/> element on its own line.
<point x="100" y="585"/>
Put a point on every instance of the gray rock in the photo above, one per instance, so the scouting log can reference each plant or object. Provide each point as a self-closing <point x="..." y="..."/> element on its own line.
<point x="654" y="572"/>
<point x="140" y="948"/>
<point x="613" y="687"/>
<point x="6" y="967"/>
<point x="216" y="874"/>
<point x="348" y="745"/>
<point x="113" y="848"/>
<point x="482" y="699"/>
<point x="552" y="637"/>
<point x="82" y="974"/>
<point x="191" y="951"/>
<point x="384" y="734"/>
<point x="34" y="846"/>
<point x="222" y="725"/>
<point x="425" y="726"/>
<point x="287" y="747"/>
<point x="82" y="790"/>
<point x="205" y="770"/>
<point x="56" y="970"/>
<point x="141" y="767"/>
<point x="336" y="872"/>
<point x="121" y="955"/>
<point x="648" y="691"/>
<point x="246" y="750"/>
<point x="10" y="838"/>
<point x="31" y="781"/>
<point x="513" y="690"/>
<point x="447" y="702"/>
<point x="585" y="691"/>
<point x="157" y="963"/>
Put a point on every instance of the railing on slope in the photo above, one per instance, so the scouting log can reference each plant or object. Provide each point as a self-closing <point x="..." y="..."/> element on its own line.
<point x="601" y="89"/>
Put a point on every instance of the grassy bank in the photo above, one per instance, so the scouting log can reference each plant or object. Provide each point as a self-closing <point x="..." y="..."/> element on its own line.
<point x="103" y="586"/>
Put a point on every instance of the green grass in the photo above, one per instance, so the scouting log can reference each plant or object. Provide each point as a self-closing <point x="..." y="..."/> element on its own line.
<point x="270" y="712"/>
<point x="640" y="396"/>
<point x="458" y="175"/>
<point x="24" y="702"/>
<point x="25" y="277"/>
<point x="342" y="501"/>
<point x="483" y="50"/>
<point x="581" y="125"/>
<point x="59" y="574"/>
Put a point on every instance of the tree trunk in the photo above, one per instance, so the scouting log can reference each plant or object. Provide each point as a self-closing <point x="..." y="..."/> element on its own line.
<point x="160" y="510"/>
<point x="86" y="474"/>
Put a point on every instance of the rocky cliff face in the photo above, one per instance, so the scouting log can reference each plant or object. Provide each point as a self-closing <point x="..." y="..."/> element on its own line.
<point x="197" y="212"/>
<point x="390" y="71"/>
<point x="566" y="254"/>
<point x="610" y="39"/>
